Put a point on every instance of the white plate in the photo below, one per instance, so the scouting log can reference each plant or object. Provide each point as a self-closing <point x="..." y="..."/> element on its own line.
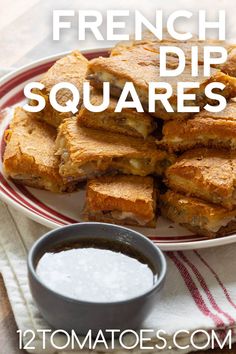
<point x="54" y="210"/>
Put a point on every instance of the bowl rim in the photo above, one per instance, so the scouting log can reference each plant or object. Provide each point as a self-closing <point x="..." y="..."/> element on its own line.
<point x="159" y="282"/>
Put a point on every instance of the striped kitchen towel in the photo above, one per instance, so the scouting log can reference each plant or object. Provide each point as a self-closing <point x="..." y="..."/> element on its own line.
<point x="199" y="294"/>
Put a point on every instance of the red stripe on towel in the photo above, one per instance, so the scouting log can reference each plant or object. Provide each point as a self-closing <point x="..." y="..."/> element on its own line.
<point x="227" y="295"/>
<point x="205" y="288"/>
<point x="196" y="295"/>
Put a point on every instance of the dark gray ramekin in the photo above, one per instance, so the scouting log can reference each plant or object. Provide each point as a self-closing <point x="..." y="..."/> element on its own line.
<point x="61" y="312"/>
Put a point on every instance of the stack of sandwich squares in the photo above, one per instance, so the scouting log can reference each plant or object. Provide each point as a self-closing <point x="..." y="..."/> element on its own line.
<point x="123" y="157"/>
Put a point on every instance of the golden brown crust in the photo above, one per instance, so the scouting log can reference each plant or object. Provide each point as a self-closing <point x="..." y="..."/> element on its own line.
<point x="205" y="173"/>
<point x="145" y="64"/>
<point x="205" y="219"/>
<point x="84" y="143"/>
<point x="148" y="38"/>
<point x="72" y="69"/>
<point x="126" y="193"/>
<point x="128" y="122"/>
<point x="223" y="231"/>
<point x="229" y="113"/>
<point x="229" y="67"/>
<point x="129" y="194"/>
<point x="150" y="42"/>
<point x="205" y="129"/>
<point x="106" y="151"/>
<point x="185" y="46"/>
<point x="107" y="218"/>
<point x="29" y="155"/>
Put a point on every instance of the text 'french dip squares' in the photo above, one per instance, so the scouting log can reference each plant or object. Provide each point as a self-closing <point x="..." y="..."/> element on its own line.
<point x="86" y="153"/>
<point x="120" y="199"/>
<point x="209" y="174"/>
<point x="198" y="216"/>
<point x="72" y="69"/>
<point x="128" y="121"/>
<point x="29" y="155"/>
<point x="141" y="66"/>
<point x="205" y="129"/>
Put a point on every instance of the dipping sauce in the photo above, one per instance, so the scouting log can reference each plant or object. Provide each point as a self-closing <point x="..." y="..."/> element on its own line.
<point x="95" y="272"/>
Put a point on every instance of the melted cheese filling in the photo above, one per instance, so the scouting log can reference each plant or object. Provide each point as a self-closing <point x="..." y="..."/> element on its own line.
<point x="137" y="125"/>
<point x="215" y="226"/>
<point x="136" y="166"/>
<point x="122" y="215"/>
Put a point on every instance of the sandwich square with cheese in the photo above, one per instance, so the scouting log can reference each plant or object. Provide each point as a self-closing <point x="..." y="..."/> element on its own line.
<point x="198" y="216"/>
<point x="209" y="174"/>
<point x="71" y="68"/>
<point x="87" y="153"/>
<point x="141" y="66"/>
<point x="29" y="156"/>
<point x="122" y="200"/>
<point x="205" y="129"/>
<point x="128" y="121"/>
